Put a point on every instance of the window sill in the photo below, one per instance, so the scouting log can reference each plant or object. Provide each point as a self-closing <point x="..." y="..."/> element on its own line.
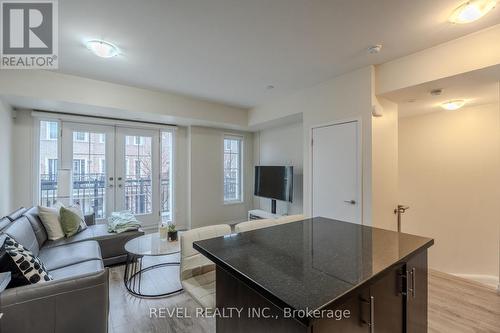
<point x="236" y="202"/>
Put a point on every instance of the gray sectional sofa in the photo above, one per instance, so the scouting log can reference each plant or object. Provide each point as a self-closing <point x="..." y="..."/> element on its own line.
<point x="77" y="299"/>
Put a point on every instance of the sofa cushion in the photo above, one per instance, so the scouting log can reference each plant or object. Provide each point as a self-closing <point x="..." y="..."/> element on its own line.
<point x="22" y="232"/>
<point x="85" y="235"/>
<point x="37" y="225"/>
<point x="25" y="268"/>
<point x="4" y="222"/>
<point x="61" y="256"/>
<point x="16" y="214"/>
<point x="112" y="244"/>
<point x="77" y="270"/>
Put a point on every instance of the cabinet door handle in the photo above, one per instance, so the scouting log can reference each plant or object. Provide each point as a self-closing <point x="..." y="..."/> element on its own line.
<point x="371" y="322"/>
<point x="372" y="314"/>
<point x="413" y="274"/>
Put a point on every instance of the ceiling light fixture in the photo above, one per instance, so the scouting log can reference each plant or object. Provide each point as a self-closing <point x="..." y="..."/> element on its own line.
<point x="374" y="49"/>
<point x="102" y="49"/>
<point x="453" y="105"/>
<point x="471" y="11"/>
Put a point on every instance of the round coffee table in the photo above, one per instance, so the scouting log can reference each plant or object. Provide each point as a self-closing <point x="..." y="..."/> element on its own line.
<point x="147" y="245"/>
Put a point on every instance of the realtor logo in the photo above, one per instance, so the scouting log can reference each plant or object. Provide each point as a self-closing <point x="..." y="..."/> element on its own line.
<point x="29" y="34"/>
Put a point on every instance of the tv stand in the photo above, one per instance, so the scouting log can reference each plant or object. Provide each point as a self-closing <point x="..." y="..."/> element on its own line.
<point x="258" y="214"/>
<point x="273" y="206"/>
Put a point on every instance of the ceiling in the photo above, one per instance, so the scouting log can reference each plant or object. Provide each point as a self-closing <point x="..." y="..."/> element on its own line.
<point x="476" y="88"/>
<point x="230" y="50"/>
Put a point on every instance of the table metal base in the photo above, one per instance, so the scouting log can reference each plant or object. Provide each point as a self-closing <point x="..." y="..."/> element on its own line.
<point x="133" y="275"/>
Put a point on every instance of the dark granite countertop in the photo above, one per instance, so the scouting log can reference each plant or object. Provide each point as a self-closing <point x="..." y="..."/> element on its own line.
<point x="312" y="263"/>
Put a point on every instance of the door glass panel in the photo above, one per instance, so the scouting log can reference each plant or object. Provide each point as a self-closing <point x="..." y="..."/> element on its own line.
<point x="166" y="177"/>
<point x="138" y="174"/>
<point x="48" y="162"/>
<point x="89" y="172"/>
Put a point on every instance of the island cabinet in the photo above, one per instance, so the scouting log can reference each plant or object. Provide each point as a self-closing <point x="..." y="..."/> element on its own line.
<point x="416" y="293"/>
<point x="396" y="302"/>
<point x="320" y="275"/>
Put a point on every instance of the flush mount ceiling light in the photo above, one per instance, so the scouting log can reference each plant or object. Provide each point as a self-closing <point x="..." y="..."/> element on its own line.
<point x="453" y="105"/>
<point x="102" y="49"/>
<point x="471" y="11"/>
<point x="374" y="49"/>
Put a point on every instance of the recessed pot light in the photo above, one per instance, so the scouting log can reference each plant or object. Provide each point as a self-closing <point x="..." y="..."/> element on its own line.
<point x="102" y="48"/>
<point x="453" y="105"/>
<point x="472" y="10"/>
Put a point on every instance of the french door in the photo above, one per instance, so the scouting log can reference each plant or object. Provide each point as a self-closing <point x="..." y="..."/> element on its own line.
<point x="136" y="164"/>
<point x="110" y="169"/>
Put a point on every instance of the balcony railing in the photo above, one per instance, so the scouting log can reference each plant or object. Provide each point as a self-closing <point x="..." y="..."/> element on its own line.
<point x="89" y="191"/>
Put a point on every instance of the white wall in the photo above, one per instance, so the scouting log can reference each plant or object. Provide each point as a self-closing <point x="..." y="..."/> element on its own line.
<point x="475" y="51"/>
<point x="23" y="159"/>
<point x="6" y="124"/>
<point x="449" y="175"/>
<point x="47" y="90"/>
<point x="385" y="165"/>
<point x="282" y="146"/>
<point x="181" y="181"/>
<point x="206" y="183"/>
<point x="344" y="97"/>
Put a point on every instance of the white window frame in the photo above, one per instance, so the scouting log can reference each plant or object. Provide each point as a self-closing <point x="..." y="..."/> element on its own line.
<point x="173" y="171"/>
<point x="39" y="116"/>
<point x="102" y="138"/>
<point x="48" y="131"/>
<point x="35" y="167"/>
<point x="102" y="165"/>
<point x="85" y="138"/>
<point x="241" y="140"/>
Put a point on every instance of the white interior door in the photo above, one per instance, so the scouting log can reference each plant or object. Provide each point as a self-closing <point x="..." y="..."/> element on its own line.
<point x="137" y="173"/>
<point x="336" y="176"/>
<point x="87" y="154"/>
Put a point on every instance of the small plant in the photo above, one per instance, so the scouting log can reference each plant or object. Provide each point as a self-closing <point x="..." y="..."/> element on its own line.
<point x="172" y="232"/>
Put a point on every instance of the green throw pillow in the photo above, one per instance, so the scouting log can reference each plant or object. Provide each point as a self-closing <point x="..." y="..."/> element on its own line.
<point x="70" y="221"/>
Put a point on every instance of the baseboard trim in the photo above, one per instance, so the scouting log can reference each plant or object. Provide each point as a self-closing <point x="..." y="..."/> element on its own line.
<point x="487" y="280"/>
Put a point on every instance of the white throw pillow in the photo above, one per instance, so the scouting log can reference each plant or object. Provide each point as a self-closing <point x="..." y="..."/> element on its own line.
<point x="50" y="220"/>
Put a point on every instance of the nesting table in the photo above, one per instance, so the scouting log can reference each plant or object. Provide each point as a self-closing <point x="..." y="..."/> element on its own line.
<point x="143" y="246"/>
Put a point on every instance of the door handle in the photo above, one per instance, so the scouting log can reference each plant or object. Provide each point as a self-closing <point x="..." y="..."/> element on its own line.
<point x="352" y="202"/>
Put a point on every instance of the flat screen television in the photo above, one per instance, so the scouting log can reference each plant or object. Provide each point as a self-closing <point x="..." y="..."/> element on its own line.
<point x="274" y="182"/>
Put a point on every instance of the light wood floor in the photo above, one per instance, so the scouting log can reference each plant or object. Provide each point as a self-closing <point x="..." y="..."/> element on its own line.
<point x="459" y="305"/>
<point x="455" y="306"/>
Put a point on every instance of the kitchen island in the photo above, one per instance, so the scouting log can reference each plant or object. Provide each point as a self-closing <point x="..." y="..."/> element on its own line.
<point x="320" y="275"/>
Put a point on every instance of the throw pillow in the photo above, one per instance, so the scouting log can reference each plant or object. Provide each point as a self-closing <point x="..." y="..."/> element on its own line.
<point x="71" y="220"/>
<point x="78" y="210"/>
<point x="50" y="220"/>
<point x="25" y="268"/>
